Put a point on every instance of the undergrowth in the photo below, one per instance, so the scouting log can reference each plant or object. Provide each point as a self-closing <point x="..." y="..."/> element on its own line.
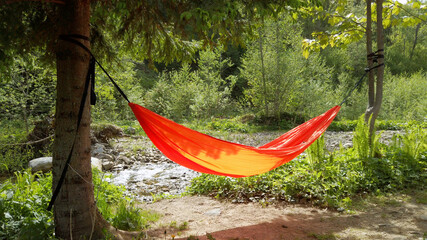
<point x="332" y="179"/>
<point x="24" y="199"/>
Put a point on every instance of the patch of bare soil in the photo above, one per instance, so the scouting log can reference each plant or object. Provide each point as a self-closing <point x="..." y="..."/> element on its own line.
<point x="396" y="218"/>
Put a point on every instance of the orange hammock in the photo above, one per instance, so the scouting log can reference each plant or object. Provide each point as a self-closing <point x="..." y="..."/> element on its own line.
<point x="207" y="154"/>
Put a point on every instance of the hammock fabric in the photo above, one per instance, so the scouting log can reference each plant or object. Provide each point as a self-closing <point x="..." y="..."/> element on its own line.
<point x="207" y="154"/>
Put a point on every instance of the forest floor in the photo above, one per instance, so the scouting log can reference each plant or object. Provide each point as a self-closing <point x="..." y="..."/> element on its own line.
<point x="393" y="217"/>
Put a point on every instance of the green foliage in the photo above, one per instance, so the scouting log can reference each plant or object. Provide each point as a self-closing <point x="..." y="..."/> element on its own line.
<point x="24" y="198"/>
<point x="348" y="21"/>
<point x="13" y="157"/>
<point x="286" y="81"/>
<point x="202" y="93"/>
<point x="131" y="218"/>
<point x="316" y="152"/>
<point x="405" y="97"/>
<point x="228" y="125"/>
<point x="27" y="89"/>
<point x="365" y="144"/>
<point x="23" y="203"/>
<point x="330" y="179"/>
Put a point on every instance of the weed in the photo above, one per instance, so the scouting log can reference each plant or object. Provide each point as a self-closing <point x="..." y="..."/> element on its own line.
<point x="183" y="226"/>
<point x="328" y="236"/>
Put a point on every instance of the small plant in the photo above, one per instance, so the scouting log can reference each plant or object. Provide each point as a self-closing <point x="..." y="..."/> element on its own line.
<point x="316" y="152"/>
<point x="129" y="217"/>
<point x="365" y="144"/>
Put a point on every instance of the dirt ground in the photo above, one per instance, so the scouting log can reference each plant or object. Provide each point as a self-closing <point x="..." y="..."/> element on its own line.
<point x="396" y="217"/>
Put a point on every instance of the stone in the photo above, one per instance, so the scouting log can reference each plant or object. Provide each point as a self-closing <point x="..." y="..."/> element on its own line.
<point x="98" y="149"/>
<point x="422" y="217"/>
<point x="123" y="159"/>
<point x="96" y="163"/>
<point x="107" y="165"/>
<point x="105" y="156"/>
<point x="43" y="164"/>
<point x="213" y="212"/>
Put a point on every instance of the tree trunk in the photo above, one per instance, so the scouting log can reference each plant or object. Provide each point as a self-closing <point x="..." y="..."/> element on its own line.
<point x="261" y="51"/>
<point x="371" y="79"/>
<point x="417" y="29"/>
<point x="75" y="213"/>
<point x="380" y="70"/>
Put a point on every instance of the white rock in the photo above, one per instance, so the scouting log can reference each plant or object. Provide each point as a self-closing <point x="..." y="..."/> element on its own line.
<point x="43" y="164"/>
<point x="96" y="163"/>
<point x="213" y="212"/>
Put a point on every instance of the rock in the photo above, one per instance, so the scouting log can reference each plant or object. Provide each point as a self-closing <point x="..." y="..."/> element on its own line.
<point x="107" y="165"/>
<point x="340" y="209"/>
<point x="123" y="159"/>
<point x="105" y="156"/>
<point x="400" y="238"/>
<point x="422" y="217"/>
<point x="96" y="163"/>
<point x="106" y="132"/>
<point x="43" y="164"/>
<point x="383" y="225"/>
<point x="131" y="130"/>
<point x="98" y="149"/>
<point x="213" y="212"/>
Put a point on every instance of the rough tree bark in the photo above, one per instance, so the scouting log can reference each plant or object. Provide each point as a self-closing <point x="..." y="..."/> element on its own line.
<point x="75" y="213"/>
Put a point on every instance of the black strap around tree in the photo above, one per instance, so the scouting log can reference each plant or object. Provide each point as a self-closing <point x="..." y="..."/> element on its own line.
<point x="90" y="79"/>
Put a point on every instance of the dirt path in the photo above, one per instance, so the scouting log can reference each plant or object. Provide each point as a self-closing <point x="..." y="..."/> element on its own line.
<point x="395" y="218"/>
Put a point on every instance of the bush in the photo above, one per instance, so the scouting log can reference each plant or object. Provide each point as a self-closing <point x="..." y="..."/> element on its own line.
<point x="405" y="97"/>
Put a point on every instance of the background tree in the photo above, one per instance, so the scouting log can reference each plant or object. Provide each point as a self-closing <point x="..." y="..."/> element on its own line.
<point x="350" y="27"/>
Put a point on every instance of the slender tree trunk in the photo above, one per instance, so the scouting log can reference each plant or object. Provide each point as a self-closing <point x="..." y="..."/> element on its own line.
<point x="417" y="29"/>
<point x="75" y="212"/>
<point x="278" y="72"/>
<point x="371" y="79"/>
<point x="380" y="70"/>
<point x="261" y="51"/>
